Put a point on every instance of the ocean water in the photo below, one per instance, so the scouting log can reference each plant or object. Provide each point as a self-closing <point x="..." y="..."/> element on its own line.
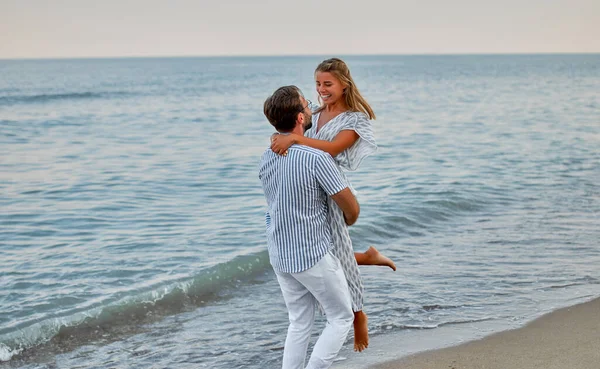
<point x="131" y="222"/>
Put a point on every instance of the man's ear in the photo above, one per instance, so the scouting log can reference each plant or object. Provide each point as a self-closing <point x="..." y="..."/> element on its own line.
<point x="300" y="118"/>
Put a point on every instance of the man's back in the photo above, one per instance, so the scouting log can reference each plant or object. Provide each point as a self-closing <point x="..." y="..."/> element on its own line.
<point x="296" y="187"/>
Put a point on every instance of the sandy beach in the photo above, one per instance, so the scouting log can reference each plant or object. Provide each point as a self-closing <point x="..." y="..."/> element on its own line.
<point x="568" y="338"/>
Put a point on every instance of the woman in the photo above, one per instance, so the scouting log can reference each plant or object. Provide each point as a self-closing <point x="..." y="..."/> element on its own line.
<point x="341" y="127"/>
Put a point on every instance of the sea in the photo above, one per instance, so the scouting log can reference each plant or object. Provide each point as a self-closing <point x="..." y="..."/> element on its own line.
<point x="132" y="217"/>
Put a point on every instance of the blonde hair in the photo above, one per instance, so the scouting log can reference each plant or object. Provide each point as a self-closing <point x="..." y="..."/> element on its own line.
<point x="354" y="99"/>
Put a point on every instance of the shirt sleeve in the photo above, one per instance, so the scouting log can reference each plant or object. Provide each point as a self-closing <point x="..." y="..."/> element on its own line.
<point x="351" y="158"/>
<point x="328" y="175"/>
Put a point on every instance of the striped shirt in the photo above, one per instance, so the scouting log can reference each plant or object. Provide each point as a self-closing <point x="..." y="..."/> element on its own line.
<point x="296" y="188"/>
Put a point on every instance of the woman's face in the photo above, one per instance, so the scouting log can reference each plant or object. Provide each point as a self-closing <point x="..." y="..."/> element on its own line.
<point x="329" y="88"/>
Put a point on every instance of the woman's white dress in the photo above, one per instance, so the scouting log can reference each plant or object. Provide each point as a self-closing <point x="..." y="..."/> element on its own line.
<point x="349" y="159"/>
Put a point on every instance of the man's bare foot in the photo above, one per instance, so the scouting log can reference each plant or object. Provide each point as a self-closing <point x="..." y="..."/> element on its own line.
<point x="361" y="331"/>
<point x="376" y="258"/>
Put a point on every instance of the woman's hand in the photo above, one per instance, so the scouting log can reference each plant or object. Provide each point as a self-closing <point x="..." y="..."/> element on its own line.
<point x="281" y="143"/>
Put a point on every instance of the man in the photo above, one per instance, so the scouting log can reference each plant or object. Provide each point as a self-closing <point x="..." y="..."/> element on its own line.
<point x="296" y="187"/>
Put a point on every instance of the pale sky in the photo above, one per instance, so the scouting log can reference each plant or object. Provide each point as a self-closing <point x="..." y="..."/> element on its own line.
<point x="112" y="28"/>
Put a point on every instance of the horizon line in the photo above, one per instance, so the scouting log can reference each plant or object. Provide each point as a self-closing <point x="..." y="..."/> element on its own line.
<point x="288" y="55"/>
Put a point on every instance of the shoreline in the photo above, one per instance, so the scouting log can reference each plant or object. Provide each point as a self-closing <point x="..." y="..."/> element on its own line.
<point x="565" y="338"/>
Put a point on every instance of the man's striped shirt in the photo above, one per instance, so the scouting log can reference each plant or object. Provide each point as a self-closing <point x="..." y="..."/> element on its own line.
<point x="296" y="188"/>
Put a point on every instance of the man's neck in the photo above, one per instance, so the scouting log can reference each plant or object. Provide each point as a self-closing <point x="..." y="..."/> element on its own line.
<point x="298" y="130"/>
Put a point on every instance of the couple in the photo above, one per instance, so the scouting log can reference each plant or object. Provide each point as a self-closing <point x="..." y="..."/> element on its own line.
<point x="310" y="206"/>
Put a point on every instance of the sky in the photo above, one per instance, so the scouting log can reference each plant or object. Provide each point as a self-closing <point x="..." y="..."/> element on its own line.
<point x="132" y="28"/>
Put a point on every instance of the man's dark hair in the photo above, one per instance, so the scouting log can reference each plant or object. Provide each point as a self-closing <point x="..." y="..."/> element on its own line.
<point x="282" y="108"/>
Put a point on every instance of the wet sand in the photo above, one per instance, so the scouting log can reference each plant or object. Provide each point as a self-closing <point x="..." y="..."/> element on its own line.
<point x="568" y="338"/>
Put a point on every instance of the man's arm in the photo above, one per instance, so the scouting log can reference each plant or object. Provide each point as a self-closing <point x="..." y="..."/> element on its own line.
<point x="331" y="180"/>
<point x="347" y="202"/>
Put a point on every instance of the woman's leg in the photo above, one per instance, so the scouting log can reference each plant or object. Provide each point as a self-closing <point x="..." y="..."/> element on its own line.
<point x="361" y="331"/>
<point x="342" y="249"/>
<point x="373" y="257"/>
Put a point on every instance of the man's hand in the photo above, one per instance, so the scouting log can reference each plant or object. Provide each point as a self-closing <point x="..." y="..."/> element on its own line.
<point x="347" y="202"/>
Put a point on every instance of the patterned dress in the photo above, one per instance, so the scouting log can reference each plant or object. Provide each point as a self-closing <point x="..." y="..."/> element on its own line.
<point x="349" y="159"/>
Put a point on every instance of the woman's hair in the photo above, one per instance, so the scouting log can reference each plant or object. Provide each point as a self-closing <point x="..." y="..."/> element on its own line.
<point x="354" y="99"/>
<point x="282" y="108"/>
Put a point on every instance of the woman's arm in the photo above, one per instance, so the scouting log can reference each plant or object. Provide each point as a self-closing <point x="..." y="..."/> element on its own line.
<point x="343" y="140"/>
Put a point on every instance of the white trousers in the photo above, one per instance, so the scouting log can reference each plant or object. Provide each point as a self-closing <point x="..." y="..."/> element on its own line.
<point x="324" y="282"/>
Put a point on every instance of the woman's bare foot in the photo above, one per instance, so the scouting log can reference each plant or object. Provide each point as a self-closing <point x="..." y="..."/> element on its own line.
<point x="361" y="331"/>
<point x="374" y="257"/>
